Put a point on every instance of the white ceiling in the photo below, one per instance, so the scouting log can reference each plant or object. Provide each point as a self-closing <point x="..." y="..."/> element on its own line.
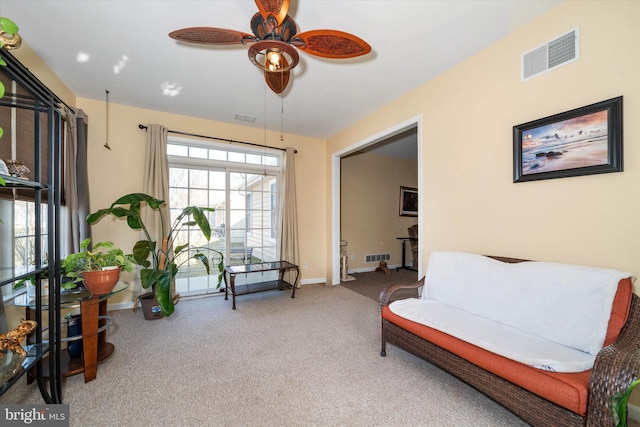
<point x="403" y="145"/>
<point x="123" y="47"/>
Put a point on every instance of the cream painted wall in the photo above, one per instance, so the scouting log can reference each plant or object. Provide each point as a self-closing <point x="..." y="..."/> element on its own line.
<point x="38" y="68"/>
<point x="370" y="220"/>
<point x="115" y="172"/>
<point x="470" y="202"/>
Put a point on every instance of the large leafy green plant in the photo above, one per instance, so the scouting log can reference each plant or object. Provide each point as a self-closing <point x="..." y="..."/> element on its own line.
<point x="160" y="263"/>
<point x="618" y="405"/>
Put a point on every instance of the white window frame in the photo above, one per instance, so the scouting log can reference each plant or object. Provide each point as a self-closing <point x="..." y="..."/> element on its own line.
<point x="8" y="243"/>
<point x="229" y="167"/>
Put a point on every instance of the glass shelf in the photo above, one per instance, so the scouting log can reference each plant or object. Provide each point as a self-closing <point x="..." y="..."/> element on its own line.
<point x="68" y="298"/>
<point x="13" y="366"/>
<point x="14" y="182"/>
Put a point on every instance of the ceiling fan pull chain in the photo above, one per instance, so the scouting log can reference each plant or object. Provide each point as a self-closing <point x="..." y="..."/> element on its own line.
<point x="282" y="110"/>
<point x="264" y="161"/>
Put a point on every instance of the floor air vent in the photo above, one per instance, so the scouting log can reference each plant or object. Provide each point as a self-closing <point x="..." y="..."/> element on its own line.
<point x="561" y="51"/>
<point x="377" y="257"/>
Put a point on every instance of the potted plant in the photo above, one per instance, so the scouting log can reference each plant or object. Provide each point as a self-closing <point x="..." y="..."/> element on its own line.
<point x="161" y="262"/>
<point x="30" y="282"/>
<point x="99" y="268"/>
<point x="618" y="405"/>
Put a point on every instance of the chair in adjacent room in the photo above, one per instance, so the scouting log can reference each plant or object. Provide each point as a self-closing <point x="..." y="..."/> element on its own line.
<point x="413" y="235"/>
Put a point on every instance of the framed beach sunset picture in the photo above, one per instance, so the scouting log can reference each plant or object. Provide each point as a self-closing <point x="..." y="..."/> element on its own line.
<point x="584" y="141"/>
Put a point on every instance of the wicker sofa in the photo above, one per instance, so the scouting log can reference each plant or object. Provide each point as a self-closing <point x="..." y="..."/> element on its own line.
<point x="615" y="366"/>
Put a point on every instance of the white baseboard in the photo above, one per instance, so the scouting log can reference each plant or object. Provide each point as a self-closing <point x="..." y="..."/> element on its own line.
<point x="363" y="270"/>
<point x="313" y="281"/>
<point x="126" y="305"/>
<point x="372" y="269"/>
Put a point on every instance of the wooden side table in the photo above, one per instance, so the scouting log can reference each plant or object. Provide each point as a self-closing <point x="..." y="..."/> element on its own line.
<point x="404" y="247"/>
<point x="95" y="348"/>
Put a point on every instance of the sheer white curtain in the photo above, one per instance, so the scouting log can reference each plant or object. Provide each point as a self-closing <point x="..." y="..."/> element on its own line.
<point x="289" y="215"/>
<point x="156" y="181"/>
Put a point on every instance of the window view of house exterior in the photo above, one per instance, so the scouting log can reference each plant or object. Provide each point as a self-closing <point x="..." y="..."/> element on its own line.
<point x="242" y="187"/>
<point x="17" y="234"/>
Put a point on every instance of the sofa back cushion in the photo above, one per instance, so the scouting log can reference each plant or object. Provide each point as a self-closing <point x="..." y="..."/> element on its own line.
<point x="620" y="310"/>
<point x="567" y="304"/>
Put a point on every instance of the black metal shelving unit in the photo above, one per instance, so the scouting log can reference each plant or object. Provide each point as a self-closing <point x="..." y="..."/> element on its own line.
<point x="45" y="109"/>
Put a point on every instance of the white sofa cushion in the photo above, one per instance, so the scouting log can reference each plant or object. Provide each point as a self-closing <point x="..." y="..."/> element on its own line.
<point x="567" y="304"/>
<point x="494" y="336"/>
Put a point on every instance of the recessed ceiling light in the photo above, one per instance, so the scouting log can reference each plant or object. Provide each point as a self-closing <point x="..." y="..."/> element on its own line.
<point x="170" y="89"/>
<point x="82" y="57"/>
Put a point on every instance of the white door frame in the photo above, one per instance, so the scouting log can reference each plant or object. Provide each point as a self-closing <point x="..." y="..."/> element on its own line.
<point x="415" y="122"/>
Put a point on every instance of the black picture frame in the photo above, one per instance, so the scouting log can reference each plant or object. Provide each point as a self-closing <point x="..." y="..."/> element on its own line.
<point x="583" y="141"/>
<point x="408" y="201"/>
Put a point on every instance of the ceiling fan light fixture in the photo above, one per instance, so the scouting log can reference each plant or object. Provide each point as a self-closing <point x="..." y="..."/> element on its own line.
<point x="273" y="60"/>
<point x="273" y="56"/>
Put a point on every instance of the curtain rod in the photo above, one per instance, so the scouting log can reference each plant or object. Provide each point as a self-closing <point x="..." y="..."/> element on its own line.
<point x="231" y="141"/>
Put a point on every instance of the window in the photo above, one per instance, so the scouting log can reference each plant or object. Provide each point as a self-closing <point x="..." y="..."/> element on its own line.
<point x="241" y="185"/>
<point x="30" y="130"/>
<point x="249" y="211"/>
<point x="17" y="234"/>
<point x="250" y="219"/>
<point x="24" y="229"/>
<point x="273" y="207"/>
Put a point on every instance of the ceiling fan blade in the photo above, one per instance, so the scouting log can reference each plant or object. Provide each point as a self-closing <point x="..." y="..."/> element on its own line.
<point x="211" y="35"/>
<point x="277" y="82"/>
<point x="331" y="44"/>
<point x="276" y="8"/>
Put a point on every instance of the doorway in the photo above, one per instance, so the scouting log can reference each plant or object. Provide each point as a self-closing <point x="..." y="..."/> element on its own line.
<point x="375" y="142"/>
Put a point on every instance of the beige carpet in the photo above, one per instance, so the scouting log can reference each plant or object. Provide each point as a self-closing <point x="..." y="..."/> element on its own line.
<point x="309" y="361"/>
<point x="370" y="284"/>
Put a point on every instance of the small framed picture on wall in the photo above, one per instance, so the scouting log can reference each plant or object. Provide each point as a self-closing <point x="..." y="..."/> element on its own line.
<point x="408" y="201"/>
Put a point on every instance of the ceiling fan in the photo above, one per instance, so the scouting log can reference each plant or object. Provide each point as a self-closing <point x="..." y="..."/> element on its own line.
<point x="271" y="45"/>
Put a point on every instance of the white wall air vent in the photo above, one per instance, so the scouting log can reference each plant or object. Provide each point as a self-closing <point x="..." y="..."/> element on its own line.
<point x="377" y="258"/>
<point x="561" y="51"/>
